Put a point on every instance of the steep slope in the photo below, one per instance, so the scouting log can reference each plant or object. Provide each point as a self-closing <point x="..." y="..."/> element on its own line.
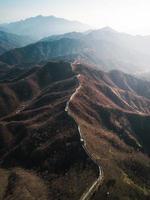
<point x="40" y="144"/>
<point x="10" y="41"/>
<point x="43" y="26"/>
<point x="113" y="117"/>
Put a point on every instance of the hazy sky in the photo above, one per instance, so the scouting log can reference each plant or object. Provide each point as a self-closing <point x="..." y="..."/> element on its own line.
<point x="130" y="16"/>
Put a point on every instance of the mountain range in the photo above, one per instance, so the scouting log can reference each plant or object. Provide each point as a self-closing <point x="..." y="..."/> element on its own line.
<point x="75" y="112"/>
<point x="104" y="47"/>
<point x="43" y="26"/>
<point x="44" y="109"/>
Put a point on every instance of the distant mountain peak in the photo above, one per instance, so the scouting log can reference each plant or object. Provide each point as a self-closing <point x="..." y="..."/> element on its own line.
<point x="102" y="31"/>
<point x="105" y="29"/>
<point x="108" y="28"/>
<point x="40" y="16"/>
<point x="41" y="26"/>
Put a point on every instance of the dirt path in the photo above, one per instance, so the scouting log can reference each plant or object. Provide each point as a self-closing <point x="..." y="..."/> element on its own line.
<point x="94" y="186"/>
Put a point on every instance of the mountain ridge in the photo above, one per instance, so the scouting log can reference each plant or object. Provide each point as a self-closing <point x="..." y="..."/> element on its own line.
<point x="41" y="140"/>
<point x="106" y="48"/>
<point x="42" y="26"/>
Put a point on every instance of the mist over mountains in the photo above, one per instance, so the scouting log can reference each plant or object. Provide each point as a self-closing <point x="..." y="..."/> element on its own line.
<point x="106" y="47"/>
<point x="43" y="26"/>
<point x="75" y="112"/>
<point x="10" y="41"/>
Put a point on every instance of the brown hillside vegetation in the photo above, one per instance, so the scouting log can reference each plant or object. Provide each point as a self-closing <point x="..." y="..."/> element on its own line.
<point x="41" y="154"/>
<point x="40" y="143"/>
<point x="113" y="112"/>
